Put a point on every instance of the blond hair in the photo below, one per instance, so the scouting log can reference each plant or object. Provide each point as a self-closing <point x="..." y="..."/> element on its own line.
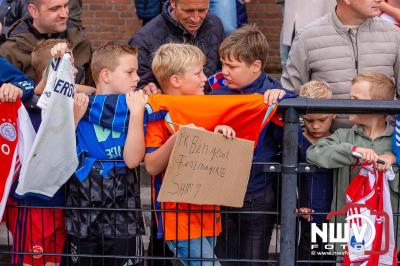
<point x="246" y="44"/>
<point x="107" y="56"/>
<point x="174" y="59"/>
<point x="381" y="85"/>
<point x="41" y="54"/>
<point x="316" y="90"/>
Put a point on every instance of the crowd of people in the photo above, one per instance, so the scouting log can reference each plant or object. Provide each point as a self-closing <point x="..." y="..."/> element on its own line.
<point x="344" y="49"/>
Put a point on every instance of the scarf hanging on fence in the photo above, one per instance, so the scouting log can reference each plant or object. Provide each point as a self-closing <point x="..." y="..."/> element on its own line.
<point x="16" y="139"/>
<point x="371" y="188"/>
<point x="53" y="158"/>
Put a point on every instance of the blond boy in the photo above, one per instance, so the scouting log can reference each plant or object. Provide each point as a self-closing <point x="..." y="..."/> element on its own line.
<point x="315" y="189"/>
<point x="370" y="136"/>
<point x="179" y="70"/>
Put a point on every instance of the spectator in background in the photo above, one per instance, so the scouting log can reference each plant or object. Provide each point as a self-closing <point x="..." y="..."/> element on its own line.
<point x="183" y="21"/>
<point x="342" y="44"/>
<point x="231" y="12"/>
<point x="48" y="20"/>
<point x="146" y="10"/>
<point x="296" y="15"/>
<point x="11" y="11"/>
<point x="75" y="12"/>
<point x="391" y="11"/>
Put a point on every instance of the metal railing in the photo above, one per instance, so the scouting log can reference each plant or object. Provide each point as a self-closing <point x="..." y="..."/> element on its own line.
<point x="284" y="214"/>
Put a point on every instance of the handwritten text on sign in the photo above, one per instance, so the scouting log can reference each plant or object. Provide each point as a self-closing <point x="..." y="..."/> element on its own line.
<point x="207" y="168"/>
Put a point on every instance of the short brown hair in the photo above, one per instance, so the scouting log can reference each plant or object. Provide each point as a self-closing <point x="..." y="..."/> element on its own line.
<point x="246" y="44"/>
<point x="106" y="57"/>
<point x="316" y="90"/>
<point x="381" y="85"/>
<point x="41" y="55"/>
<point x="173" y="58"/>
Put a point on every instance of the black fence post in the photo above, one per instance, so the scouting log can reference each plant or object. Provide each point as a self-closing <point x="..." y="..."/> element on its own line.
<point x="289" y="186"/>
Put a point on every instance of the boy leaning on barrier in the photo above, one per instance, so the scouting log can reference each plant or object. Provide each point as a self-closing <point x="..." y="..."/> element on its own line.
<point x="187" y="232"/>
<point x="244" y="55"/>
<point x="370" y="137"/>
<point x="314" y="189"/>
<point x="112" y="184"/>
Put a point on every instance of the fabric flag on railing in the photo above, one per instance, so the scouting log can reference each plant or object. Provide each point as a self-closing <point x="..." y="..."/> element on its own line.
<point x="370" y="187"/>
<point x="16" y="139"/>
<point x="246" y="114"/>
<point x="53" y="157"/>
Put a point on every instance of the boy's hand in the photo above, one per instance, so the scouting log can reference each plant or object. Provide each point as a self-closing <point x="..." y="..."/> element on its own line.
<point x="227" y="131"/>
<point x="273" y="95"/>
<point x="136" y="101"/>
<point x="367" y="155"/>
<point x="59" y="50"/>
<point x="10" y="92"/>
<point x="194" y="126"/>
<point x="307" y="217"/>
<point x="151" y="88"/>
<point x="388" y="158"/>
<point x="81" y="102"/>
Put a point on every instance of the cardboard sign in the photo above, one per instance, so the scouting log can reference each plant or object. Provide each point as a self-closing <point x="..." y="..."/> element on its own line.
<point x="207" y="168"/>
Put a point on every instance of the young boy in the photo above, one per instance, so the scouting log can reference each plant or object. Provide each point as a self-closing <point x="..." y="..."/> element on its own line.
<point x="108" y="184"/>
<point x="315" y="189"/>
<point x="243" y="56"/>
<point x="370" y="137"/>
<point x="37" y="229"/>
<point x="188" y="232"/>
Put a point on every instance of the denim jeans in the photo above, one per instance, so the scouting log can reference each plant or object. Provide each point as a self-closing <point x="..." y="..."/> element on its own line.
<point x="226" y="11"/>
<point x="202" y="247"/>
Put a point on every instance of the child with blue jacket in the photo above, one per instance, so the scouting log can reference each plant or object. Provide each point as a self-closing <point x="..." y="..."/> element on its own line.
<point x="315" y="189"/>
<point x="243" y="56"/>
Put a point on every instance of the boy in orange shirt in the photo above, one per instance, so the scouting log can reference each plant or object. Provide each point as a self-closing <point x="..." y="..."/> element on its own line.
<point x="179" y="70"/>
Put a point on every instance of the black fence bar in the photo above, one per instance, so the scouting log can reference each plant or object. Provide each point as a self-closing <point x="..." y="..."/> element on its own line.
<point x="340" y="106"/>
<point x="289" y="186"/>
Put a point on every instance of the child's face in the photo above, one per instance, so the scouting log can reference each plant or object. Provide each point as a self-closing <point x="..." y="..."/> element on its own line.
<point x="124" y="78"/>
<point x="318" y="125"/>
<point x="192" y="82"/>
<point x="360" y="91"/>
<point x="239" y="74"/>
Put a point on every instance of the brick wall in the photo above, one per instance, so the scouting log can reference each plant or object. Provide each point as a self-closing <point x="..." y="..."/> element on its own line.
<point x="108" y="20"/>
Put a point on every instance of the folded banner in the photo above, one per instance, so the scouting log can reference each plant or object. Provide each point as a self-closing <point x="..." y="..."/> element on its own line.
<point x="246" y="114"/>
<point x="53" y="158"/>
<point x="16" y="139"/>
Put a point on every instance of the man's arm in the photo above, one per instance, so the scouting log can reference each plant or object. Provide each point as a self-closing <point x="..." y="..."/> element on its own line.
<point x="297" y="70"/>
<point x="397" y="67"/>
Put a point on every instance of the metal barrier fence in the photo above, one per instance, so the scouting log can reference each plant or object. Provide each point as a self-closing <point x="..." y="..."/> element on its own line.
<point x="274" y="214"/>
